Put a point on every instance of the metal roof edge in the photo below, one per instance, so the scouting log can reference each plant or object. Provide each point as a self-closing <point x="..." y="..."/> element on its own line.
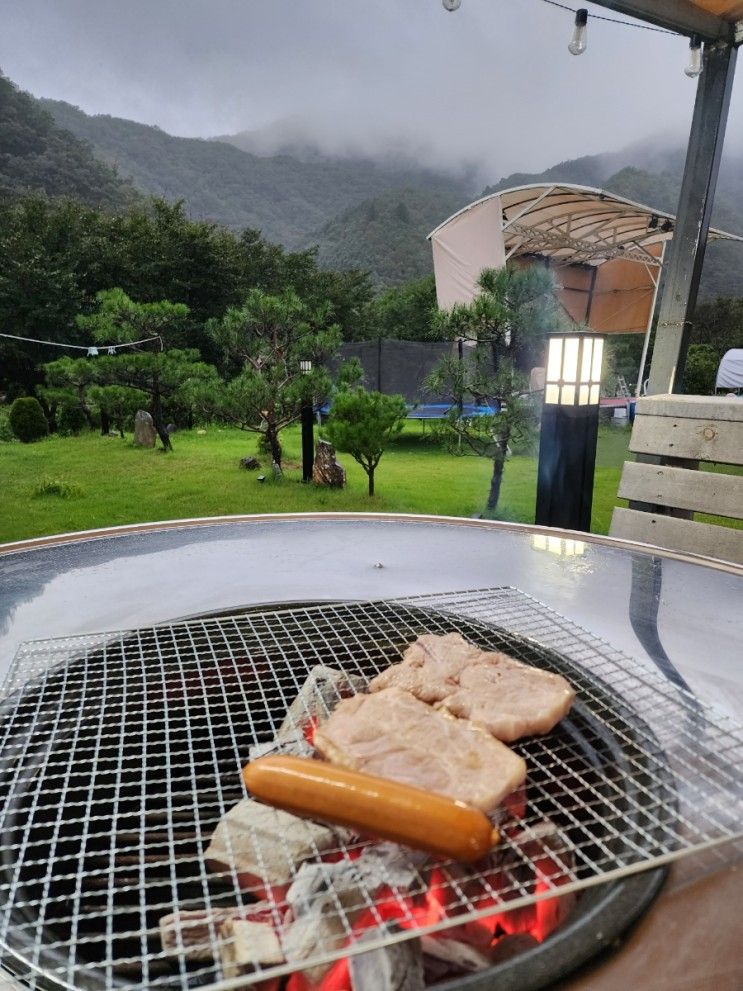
<point x="577" y="187"/>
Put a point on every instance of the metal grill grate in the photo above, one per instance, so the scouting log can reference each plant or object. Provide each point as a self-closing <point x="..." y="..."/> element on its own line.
<point x="119" y="753"/>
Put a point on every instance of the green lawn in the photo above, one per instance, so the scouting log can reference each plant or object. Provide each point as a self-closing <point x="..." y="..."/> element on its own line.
<point x="113" y="482"/>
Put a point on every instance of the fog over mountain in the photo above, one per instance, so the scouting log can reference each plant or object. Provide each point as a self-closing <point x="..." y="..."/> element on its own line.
<point x="491" y="86"/>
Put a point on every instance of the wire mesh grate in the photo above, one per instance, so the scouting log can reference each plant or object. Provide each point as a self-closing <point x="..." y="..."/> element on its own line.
<point x="120" y="754"/>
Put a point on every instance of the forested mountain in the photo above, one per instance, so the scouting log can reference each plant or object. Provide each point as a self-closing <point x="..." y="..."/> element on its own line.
<point x="36" y="155"/>
<point x="287" y="199"/>
<point x="359" y="212"/>
<point x="386" y="235"/>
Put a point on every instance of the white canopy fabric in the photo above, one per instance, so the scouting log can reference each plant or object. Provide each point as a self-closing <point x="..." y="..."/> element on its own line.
<point x="606" y="252"/>
<point x="730" y="372"/>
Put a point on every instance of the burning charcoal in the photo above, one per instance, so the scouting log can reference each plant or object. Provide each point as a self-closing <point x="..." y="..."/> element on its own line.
<point x="293" y="744"/>
<point x="511" y="946"/>
<point x="192" y="933"/>
<point x="265" y="845"/>
<point x="544" y="841"/>
<point x="244" y="944"/>
<point x="458" y="956"/>
<point x="318" y="696"/>
<point x="316" y="699"/>
<point x="326" y="898"/>
<point x="319" y="931"/>
<point x="391" y="864"/>
<point x="339" y="883"/>
<point x="347" y="880"/>
<point x="396" y="967"/>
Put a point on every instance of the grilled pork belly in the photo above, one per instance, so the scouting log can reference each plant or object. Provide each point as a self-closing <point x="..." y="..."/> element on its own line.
<point x="394" y="735"/>
<point x="430" y="667"/>
<point x="506" y="697"/>
<point x="510" y="699"/>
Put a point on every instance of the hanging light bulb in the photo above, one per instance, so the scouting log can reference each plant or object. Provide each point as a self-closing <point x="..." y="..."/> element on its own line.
<point x="694" y="68"/>
<point x="92" y="352"/>
<point x="451" y="5"/>
<point x="578" y="42"/>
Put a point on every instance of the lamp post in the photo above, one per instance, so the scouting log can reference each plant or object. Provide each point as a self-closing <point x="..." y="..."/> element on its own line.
<point x="308" y="441"/>
<point x="570" y="418"/>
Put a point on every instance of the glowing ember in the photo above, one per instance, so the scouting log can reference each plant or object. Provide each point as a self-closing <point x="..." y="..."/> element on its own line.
<point x="460" y="949"/>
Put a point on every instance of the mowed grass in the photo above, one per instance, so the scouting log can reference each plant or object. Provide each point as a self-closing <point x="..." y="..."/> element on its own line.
<point x="77" y="483"/>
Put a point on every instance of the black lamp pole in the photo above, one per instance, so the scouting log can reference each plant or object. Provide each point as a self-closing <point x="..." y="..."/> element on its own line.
<point x="569" y="430"/>
<point x="308" y="439"/>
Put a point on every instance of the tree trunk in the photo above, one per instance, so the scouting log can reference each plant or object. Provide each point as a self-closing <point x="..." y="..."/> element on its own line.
<point x="84" y="407"/>
<point x="157" y="419"/>
<point x="495" y="482"/>
<point x="105" y="423"/>
<point x="499" y="461"/>
<point x="370" y="474"/>
<point x="494" y="357"/>
<point x="272" y="437"/>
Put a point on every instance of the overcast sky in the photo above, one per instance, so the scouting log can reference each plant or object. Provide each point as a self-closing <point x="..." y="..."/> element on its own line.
<point x="492" y="83"/>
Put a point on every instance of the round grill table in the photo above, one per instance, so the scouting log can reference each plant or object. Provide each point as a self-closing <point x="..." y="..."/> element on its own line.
<point x="672" y="612"/>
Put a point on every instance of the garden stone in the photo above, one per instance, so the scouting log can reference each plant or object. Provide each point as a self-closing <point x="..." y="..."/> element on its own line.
<point x="326" y="470"/>
<point x="145" y="434"/>
<point x="276" y="469"/>
<point x="250" y="463"/>
<point x="171" y="429"/>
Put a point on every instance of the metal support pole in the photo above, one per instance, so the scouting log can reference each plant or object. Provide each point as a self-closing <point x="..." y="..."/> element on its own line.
<point x="686" y="253"/>
<point x="308" y="441"/>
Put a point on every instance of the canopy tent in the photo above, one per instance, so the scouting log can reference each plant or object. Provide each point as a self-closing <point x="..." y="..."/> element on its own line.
<point x="730" y="372"/>
<point x="606" y="251"/>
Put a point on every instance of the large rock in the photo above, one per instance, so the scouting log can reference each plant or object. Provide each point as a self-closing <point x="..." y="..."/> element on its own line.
<point x="326" y="470"/>
<point x="145" y="434"/>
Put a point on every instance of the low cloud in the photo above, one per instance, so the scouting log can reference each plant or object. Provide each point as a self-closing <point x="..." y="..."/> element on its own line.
<point x="491" y="86"/>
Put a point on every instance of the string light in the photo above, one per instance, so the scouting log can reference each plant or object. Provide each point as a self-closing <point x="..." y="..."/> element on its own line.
<point x="694" y="68"/>
<point x="611" y="20"/>
<point x="90" y="350"/>
<point x="578" y="42"/>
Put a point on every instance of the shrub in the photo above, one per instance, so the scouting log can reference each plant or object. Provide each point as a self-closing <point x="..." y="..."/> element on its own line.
<point x="27" y="420"/>
<point x="6" y="433"/>
<point x="56" y="487"/>
<point x="70" y="420"/>
<point x="701" y="369"/>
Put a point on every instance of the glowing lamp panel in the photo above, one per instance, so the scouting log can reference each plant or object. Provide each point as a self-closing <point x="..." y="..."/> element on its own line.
<point x="573" y="375"/>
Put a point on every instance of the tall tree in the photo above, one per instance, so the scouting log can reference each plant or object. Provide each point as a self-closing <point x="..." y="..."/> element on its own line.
<point x="363" y="423"/>
<point x="506" y="323"/>
<point x="406" y="312"/>
<point x="164" y="374"/>
<point x="266" y="339"/>
<point x="68" y="382"/>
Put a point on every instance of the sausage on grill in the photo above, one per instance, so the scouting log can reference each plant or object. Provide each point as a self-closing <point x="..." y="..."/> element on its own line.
<point x="372" y="806"/>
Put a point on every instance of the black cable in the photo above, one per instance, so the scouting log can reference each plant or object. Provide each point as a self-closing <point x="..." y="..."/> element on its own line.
<point x="612" y="20"/>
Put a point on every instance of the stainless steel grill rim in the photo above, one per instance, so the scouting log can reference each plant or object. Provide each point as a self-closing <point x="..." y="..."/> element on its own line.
<point x="86" y="695"/>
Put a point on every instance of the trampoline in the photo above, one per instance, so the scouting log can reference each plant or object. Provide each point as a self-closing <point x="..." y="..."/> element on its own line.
<point x="432" y="411"/>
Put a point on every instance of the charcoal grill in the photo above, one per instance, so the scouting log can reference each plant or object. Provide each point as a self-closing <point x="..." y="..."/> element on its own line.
<point x="120" y="752"/>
